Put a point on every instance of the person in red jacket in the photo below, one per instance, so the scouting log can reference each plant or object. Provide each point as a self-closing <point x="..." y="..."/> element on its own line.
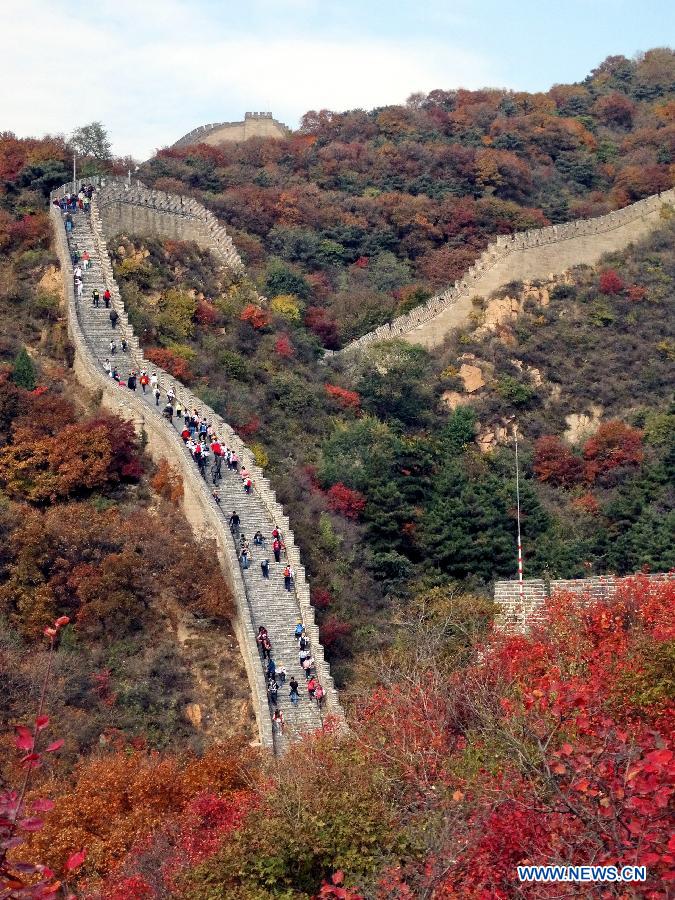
<point x="312" y="685"/>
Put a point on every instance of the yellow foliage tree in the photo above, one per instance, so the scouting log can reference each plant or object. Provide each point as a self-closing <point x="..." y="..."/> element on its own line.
<point x="287" y="306"/>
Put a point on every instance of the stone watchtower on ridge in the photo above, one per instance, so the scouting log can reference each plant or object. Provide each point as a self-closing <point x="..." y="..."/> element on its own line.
<point x="255" y="124"/>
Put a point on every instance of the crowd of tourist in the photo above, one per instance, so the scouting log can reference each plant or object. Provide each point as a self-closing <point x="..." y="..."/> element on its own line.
<point x="210" y="455"/>
<point x="276" y="676"/>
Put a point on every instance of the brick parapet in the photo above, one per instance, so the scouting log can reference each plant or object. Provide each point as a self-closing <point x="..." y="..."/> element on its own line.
<point x="520" y="607"/>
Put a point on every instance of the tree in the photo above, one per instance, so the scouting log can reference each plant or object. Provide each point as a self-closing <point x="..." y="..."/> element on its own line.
<point x="92" y="140"/>
<point x="614" y="444"/>
<point x="345" y="501"/>
<point x="611" y="282"/>
<point x="555" y="463"/>
<point x="23" y="371"/>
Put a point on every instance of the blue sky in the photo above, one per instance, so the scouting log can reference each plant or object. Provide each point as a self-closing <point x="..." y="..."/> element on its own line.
<point x="152" y="70"/>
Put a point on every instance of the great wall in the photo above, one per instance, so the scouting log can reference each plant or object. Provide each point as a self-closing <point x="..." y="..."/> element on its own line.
<point x="120" y="206"/>
<point x="524" y="256"/>
<point x="115" y="206"/>
<point x="520" y="605"/>
<point x="255" y="124"/>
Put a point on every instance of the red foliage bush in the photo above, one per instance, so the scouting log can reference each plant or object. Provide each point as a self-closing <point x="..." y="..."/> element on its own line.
<point x="283" y="347"/>
<point x="555" y="463"/>
<point x="636" y="292"/>
<point x="257" y="316"/>
<point x="321" y="598"/>
<point x="206" y="314"/>
<point x="611" y="282"/>
<point x="249" y="427"/>
<point x="333" y="631"/>
<point x="587" y="503"/>
<point x="345" y="501"/>
<point x="344" y="398"/>
<point x="174" y="364"/>
<point x="614" y="444"/>
<point x="324" y="327"/>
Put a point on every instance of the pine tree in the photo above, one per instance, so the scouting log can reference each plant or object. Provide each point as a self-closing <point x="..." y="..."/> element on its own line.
<point x="24" y="373"/>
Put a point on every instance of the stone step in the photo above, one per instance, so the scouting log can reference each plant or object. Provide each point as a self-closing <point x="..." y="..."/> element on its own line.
<point x="270" y="604"/>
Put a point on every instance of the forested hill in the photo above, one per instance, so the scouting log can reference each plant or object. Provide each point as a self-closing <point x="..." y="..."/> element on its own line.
<point x="365" y="213"/>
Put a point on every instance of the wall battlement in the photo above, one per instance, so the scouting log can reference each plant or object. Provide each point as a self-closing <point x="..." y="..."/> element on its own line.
<point x="255" y="124"/>
<point x="525" y="256"/>
<point x="518" y="613"/>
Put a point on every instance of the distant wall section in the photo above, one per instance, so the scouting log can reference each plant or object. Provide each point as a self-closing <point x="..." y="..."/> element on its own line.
<point x="255" y="124"/>
<point x="525" y="256"/>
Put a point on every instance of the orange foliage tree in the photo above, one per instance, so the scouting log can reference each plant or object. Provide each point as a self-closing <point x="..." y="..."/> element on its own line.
<point x="121" y="798"/>
<point x="82" y="457"/>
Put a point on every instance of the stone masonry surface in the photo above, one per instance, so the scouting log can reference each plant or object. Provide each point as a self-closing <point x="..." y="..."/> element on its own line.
<point x="523" y="257"/>
<point x="517" y="613"/>
<point x="258" y="601"/>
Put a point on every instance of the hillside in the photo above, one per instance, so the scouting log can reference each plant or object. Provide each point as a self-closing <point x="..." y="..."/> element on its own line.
<point x="398" y="469"/>
<point x="128" y="725"/>
<point x="364" y="214"/>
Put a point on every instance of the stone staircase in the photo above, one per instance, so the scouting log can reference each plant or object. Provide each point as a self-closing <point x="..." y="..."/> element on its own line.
<point x="269" y="603"/>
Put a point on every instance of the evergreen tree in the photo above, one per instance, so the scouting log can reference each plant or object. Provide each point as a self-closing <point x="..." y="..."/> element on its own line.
<point x="23" y="372"/>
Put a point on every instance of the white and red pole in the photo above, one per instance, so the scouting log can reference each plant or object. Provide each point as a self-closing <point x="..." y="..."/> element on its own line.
<point x="521" y="591"/>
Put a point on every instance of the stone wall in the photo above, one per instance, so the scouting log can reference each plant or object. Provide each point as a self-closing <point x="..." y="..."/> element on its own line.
<point x="523" y="257"/>
<point x="255" y="124"/>
<point x="136" y="209"/>
<point x="161" y="442"/>
<point x="518" y="612"/>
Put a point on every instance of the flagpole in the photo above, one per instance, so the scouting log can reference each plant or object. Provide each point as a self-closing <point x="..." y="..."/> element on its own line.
<point x="521" y="591"/>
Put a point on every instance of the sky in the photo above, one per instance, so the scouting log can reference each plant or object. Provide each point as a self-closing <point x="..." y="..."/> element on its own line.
<point x="152" y="70"/>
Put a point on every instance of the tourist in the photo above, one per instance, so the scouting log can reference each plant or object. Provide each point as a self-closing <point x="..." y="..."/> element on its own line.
<point x="114" y="317"/>
<point x="106" y="298"/>
<point x="131" y="381"/>
<point x="278" y="721"/>
<point x="144" y="380"/>
<point x="265" y="568"/>
<point x="95" y="297"/>
<point x="157" y="394"/>
<point x="293" y="695"/>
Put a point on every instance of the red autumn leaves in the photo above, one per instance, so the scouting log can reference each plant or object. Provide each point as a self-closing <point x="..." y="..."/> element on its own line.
<point x="615" y="444"/>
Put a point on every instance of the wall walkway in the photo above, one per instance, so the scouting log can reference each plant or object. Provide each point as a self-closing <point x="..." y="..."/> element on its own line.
<point x="256" y="603"/>
<point x="523" y="257"/>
